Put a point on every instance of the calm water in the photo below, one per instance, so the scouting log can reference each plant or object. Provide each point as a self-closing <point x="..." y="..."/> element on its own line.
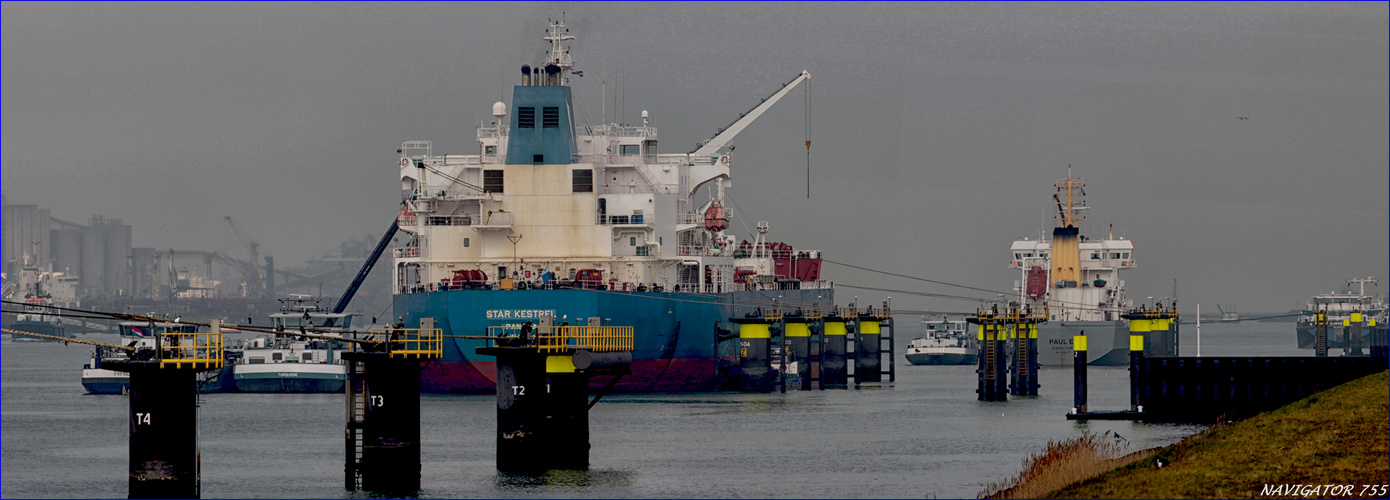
<point x="923" y="436"/>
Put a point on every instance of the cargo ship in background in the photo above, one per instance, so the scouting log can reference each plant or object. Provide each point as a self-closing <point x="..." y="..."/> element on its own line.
<point x="1077" y="279"/>
<point x="1342" y="309"/>
<point x="45" y="295"/>
<point x="555" y="222"/>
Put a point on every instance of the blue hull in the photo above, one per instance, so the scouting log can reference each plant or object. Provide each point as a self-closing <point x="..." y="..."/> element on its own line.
<point x="677" y="345"/>
<point x="113" y="385"/>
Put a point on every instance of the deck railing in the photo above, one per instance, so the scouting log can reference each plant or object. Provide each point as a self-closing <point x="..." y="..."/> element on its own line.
<point x="410" y="342"/>
<point x="191" y="349"/>
<point x="563" y="338"/>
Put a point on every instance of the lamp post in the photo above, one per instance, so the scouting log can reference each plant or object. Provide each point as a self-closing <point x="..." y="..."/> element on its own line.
<point x="514" y="239"/>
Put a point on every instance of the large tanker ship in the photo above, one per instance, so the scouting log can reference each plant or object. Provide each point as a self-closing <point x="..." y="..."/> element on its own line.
<point x="555" y="222"/>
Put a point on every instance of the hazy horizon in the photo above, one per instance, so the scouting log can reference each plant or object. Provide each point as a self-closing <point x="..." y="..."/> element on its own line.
<point x="1242" y="147"/>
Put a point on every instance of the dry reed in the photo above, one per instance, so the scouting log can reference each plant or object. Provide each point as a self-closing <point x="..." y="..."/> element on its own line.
<point x="1062" y="463"/>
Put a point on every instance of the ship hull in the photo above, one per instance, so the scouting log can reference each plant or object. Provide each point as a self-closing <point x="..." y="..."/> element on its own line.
<point x="44" y="328"/>
<point x="960" y="356"/>
<point x="1107" y="342"/>
<point x="100" y="381"/>
<point x="290" y="378"/>
<point x="103" y="381"/>
<point x="680" y="339"/>
<point x="1307" y="335"/>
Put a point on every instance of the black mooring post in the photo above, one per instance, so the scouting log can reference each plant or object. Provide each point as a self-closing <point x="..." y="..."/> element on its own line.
<point x="1018" y="373"/>
<point x="1024" y="376"/>
<point x="1136" y="360"/>
<point x="868" y="360"/>
<point x="543" y="406"/>
<point x="889" y="323"/>
<point x="1320" y="340"/>
<point x="569" y="418"/>
<point x="390" y="427"/>
<point x="1356" y="321"/>
<point x="834" y="371"/>
<point x="1346" y="337"/>
<point x="798" y="333"/>
<point x="521" y="409"/>
<point x="1079" y="360"/>
<point x="383" y="408"/>
<point x="755" y="339"/>
<point x="164" y="455"/>
<point x="993" y="383"/>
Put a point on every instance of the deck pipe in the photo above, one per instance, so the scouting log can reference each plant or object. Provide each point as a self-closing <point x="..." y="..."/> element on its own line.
<point x="390" y="427"/>
<point x="755" y="353"/>
<point x="1320" y="338"/>
<point x="868" y="359"/>
<point x="834" y="372"/>
<point x="1079" y="362"/>
<point x="1136" y="361"/>
<point x="164" y="457"/>
<point x="798" y="347"/>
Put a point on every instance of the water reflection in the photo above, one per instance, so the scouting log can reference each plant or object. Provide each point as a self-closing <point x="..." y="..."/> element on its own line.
<point x="563" y="479"/>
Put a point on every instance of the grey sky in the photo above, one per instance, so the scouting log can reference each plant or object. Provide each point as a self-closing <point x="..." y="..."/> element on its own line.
<point x="938" y="128"/>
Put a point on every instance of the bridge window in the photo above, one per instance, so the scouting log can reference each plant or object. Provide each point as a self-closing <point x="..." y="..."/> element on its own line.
<point x="1095" y="256"/>
<point x="583" y="180"/>
<point x="629" y="150"/>
<point x="1126" y="255"/>
<point x="550" y="117"/>
<point x="490" y="150"/>
<point x="526" y="117"/>
<point x="492" y="181"/>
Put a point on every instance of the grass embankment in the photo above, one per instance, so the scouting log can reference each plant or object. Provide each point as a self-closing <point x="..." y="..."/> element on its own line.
<point x="1338" y="437"/>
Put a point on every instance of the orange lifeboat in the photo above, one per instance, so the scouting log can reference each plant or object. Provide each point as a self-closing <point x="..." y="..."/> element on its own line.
<point x="716" y="218"/>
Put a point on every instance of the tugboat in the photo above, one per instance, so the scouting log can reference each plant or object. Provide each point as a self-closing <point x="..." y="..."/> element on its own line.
<point x="40" y="314"/>
<point x="945" y="343"/>
<point x="289" y="364"/>
<point x="553" y="221"/>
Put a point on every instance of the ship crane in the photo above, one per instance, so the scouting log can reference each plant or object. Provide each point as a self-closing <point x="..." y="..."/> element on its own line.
<point x="715" y="214"/>
<point x="725" y="135"/>
<point x="252" y="248"/>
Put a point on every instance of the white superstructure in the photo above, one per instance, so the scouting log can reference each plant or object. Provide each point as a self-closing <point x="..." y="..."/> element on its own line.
<point x="544" y="200"/>
<point x="1082" y="276"/>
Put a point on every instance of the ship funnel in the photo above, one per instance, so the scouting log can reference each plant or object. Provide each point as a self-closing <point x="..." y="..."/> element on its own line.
<point x="526" y="75"/>
<point x="552" y="73"/>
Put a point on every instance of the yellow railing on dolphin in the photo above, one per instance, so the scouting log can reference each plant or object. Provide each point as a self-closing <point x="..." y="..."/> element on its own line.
<point x="564" y="338"/>
<point x="411" y="342"/>
<point x="191" y="350"/>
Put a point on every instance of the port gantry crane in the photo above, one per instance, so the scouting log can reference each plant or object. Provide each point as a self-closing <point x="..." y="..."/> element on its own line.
<point x="252" y="248"/>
